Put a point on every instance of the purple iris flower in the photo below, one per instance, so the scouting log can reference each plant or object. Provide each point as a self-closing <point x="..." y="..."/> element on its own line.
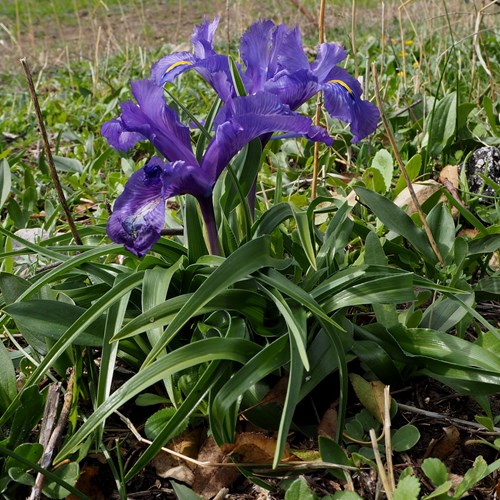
<point x="139" y="212"/>
<point x="213" y="67"/>
<point x="275" y="62"/>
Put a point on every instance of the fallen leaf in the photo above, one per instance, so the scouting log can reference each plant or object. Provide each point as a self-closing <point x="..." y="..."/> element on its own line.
<point x="277" y="394"/>
<point x="208" y="481"/>
<point x="444" y="446"/>
<point x="450" y="173"/>
<point x="468" y="233"/>
<point x="255" y="448"/>
<point x="423" y="191"/>
<point x="89" y="483"/>
<point x="328" y="425"/>
<point x="181" y="473"/>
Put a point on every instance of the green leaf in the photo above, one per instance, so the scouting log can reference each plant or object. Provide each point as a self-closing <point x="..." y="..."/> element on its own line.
<point x="157" y="421"/>
<point x="332" y="452"/>
<point x="374" y="180"/>
<point x="445" y="313"/>
<point x="441" y="124"/>
<point x="247" y="259"/>
<point x="333" y="330"/>
<point x="397" y="220"/>
<point x="184" y="357"/>
<point x="435" y="470"/>
<point x="8" y="386"/>
<point x="299" y="490"/>
<point x="29" y="451"/>
<point x="440" y="491"/>
<point x="86" y="319"/>
<point x="268" y="359"/>
<point x="476" y="473"/>
<point x="183" y="492"/>
<point x="51" y="476"/>
<point x="442" y="228"/>
<point x="237" y="81"/>
<point x="407" y="489"/>
<point x="63" y="164"/>
<point x="109" y="351"/>
<point x="382" y="162"/>
<point x="405" y="437"/>
<point x="343" y="495"/>
<point x="492" y="116"/>
<point x="150" y="399"/>
<point x="412" y="169"/>
<point x="209" y="378"/>
<point x="296" y="370"/>
<point x="193" y="230"/>
<point x="5" y="181"/>
<point x="68" y="473"/>
<point x="51" y="318"/>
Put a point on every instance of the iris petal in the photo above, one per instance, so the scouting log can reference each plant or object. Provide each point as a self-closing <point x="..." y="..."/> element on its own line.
<point x="293" y="89"/>
<point x="139" y="212"/>
<point x="291" y="55"/>
<point x="118" y="136"/>
<point x="343" y="101"/>
<point x="169" y="67"/>
<point x="154" y="120"/>
<point x="245" y="119"/>
<point x="203" y="38"/>
<point x="255" y="51"/>
<point x="329" y="55"/>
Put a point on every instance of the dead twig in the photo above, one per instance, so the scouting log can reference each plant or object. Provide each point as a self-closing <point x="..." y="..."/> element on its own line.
<point x="414" y="198"/>
<point x="48" y="153"/>
<point x="52" y="442"/>
<point x="319" y="104"/>
<point x="453" y="191"/>
<point x="457" y="421"/>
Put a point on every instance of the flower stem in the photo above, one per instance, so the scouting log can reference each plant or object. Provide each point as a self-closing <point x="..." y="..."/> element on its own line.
<point x="207" y="211"/>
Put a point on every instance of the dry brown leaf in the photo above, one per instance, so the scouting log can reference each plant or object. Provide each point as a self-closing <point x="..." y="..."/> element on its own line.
<point x="444" y="446"/>
<point x="468" y="233"/>
<point x="255" y="448"/>
<point x="277" y="394"/>
<point x="208" y="481"/>
<point x="89" y="483"/>
<point x="423" y="191"/>
<point x="328" y="425"/>
<point x="450" y="173"/>
<point x="181" y="473"/>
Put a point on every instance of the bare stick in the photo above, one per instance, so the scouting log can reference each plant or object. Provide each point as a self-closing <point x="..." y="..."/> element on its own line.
<point x="48" y="153"/>
<point x="387" y="432"/>
<point x="457" y="421"/>
<point x="414" y="198"/>
<point x="380" y="465"/>
<point x="55" y="437"/>
<point x="317" y="117"/>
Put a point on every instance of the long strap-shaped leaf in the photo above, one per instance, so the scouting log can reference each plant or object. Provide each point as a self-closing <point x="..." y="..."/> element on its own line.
<point x="190" y="355"/>
<point x="86" y="319"/>
<point x="290" y="289"/>
<point x="252" y="256"/>
<point x="246" y="302"/>
<point x="188" y="406"/>
<point x="268" y="359"/>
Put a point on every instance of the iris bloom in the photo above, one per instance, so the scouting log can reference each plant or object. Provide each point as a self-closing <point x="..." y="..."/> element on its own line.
<point x="275" y="62"/>
<point x="139" y="212"/>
